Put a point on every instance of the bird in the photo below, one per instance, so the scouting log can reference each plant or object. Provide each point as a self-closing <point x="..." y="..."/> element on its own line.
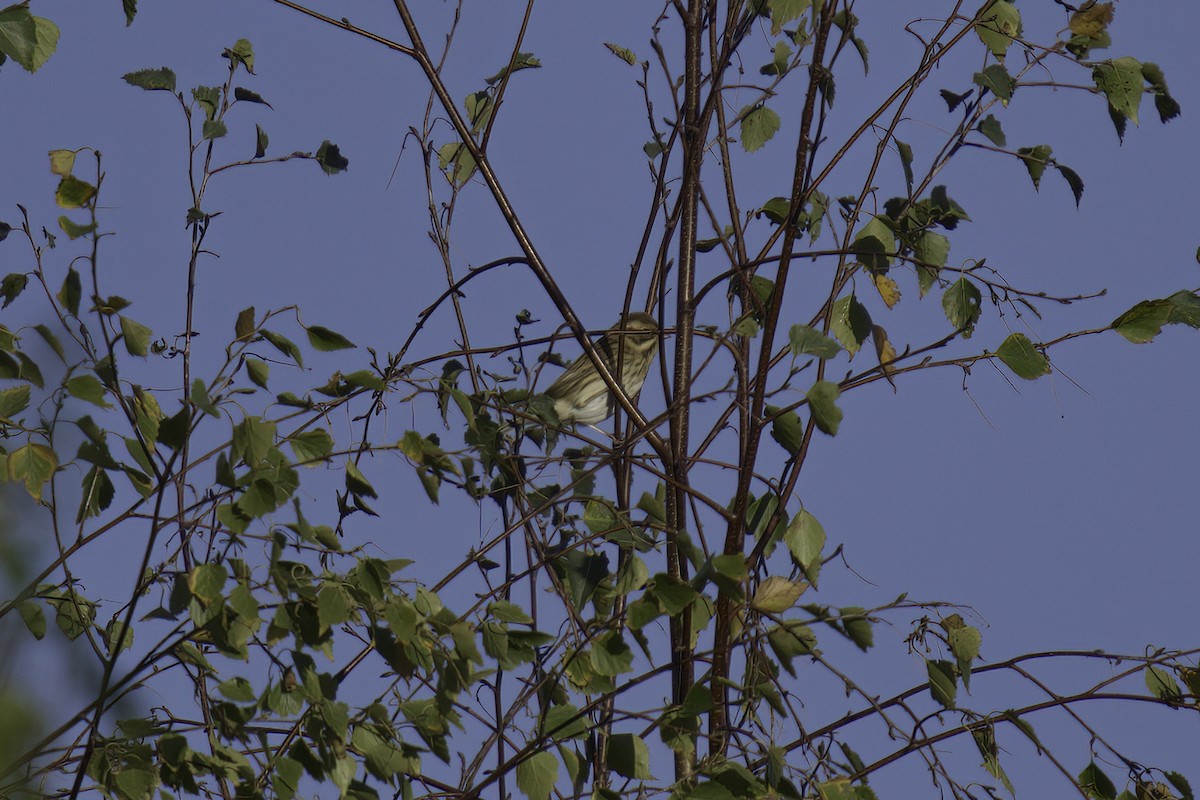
<point x="580" y="394"/>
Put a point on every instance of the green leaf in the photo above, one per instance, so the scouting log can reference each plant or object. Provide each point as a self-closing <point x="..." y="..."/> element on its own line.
<point x="34" y="618"/>
<point x="73" y="193"/>
<point x="629" y="756"/>
<point x="857" y="627"/>
<point x="74" y="230"/>
<point x="953" y="100"/>
<point x="73" y="613"/>
<point x="97" y="493"/>
<point x="259" y="371"/>
<point x="837" y="789"/>
<point x="789" y="640"/>
<point x="623" y="53"/>
<point x="611" y="655"/>
<point x="537" y="775"/>
<point x="1180" y="783"/>
<point x="944" y="210"/>
<point x="87" y="387"/>
<point x="237" y="689"/>
<point x="141" y="481"/>
<point x="1095" y="784"/>
<point x="961" y="304"/>
<point x="26" y="39"/>
<point x="284" y="345"/>
<point x="152" y="79"/>
<point x="243" y="326"/>
<point x="932" y="249"/>
<point x="1073" y="180"/>
<point x="173" y="431"/>
<point x="119" y="637"/>
<point x="206" y="581"/>
<point x="990" y="127"/>
<point x="71" y="292"/>
<point x="997" y="25"/>
<point x="995" y="78"/>
<point x="326" y="340"/>
<point x="782" y="57"/>
<point x="1036" y="158"/>
<point x="906" y="161"/>
<point x="209" y="100"/>
<point x="253" y="440"/>
<point x="357" y="483"/>
<point x="759" y="124"/>
<point x="1161" y="684"/>
<point x="942" y="685"/>
<point x="366" y="379"/>
<point x="13" y="401"/>
<point x="202" y="400"/>
<point x="599" y="516"/>
<point x="805" y="539"/>
<point x="1144" y="321"/>
<point x="479" y="106"/>
<point x="261" y="140"/>
<point x="825" y="413"/>
<point x="985" y="740"/>
<point x="14" y="283"/>
<point x="850" y="323"/>
<point x="52" y="340"/>
<point x="776" y="210"/>
<point x="784" y="11"/>
<point x="787" y="429"/>
<point x="1019" y="355"/>
<point x="242" y="53"/>
<point x="311" y="446"/>
<point x="457" y="162"/>
<point x="26" y="369"/>
<point x="333" y="607"/>
<point x="137" y="337"/>
<point x="1167" y="107"/>
<point x="130" y="8"/>
<point x="872" y="244"/>
<point x="806" y="341"/>
<point x="519" y="62"/>
<point x="1121" y="82"/>
<point x="330" y="158"/>
<point x="213" y="129"/>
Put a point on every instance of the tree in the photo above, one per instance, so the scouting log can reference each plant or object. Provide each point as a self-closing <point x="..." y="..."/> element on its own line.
<point x="658" y="611"/>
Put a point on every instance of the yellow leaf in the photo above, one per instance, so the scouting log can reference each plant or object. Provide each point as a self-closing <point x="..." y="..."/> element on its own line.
<point x="62" y="162"/>
<point x="884" y="350"/>
<point x="777" y="594"/>
<point x="888" y="290"/>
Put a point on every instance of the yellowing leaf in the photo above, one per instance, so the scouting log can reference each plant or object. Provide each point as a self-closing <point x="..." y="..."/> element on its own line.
<point x="33" y="465"/>
<point x="1093" y="20"/>
<point x="777" y="594"/>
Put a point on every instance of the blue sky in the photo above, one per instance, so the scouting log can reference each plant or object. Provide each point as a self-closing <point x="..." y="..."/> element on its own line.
<point x="1060" y="513"/>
